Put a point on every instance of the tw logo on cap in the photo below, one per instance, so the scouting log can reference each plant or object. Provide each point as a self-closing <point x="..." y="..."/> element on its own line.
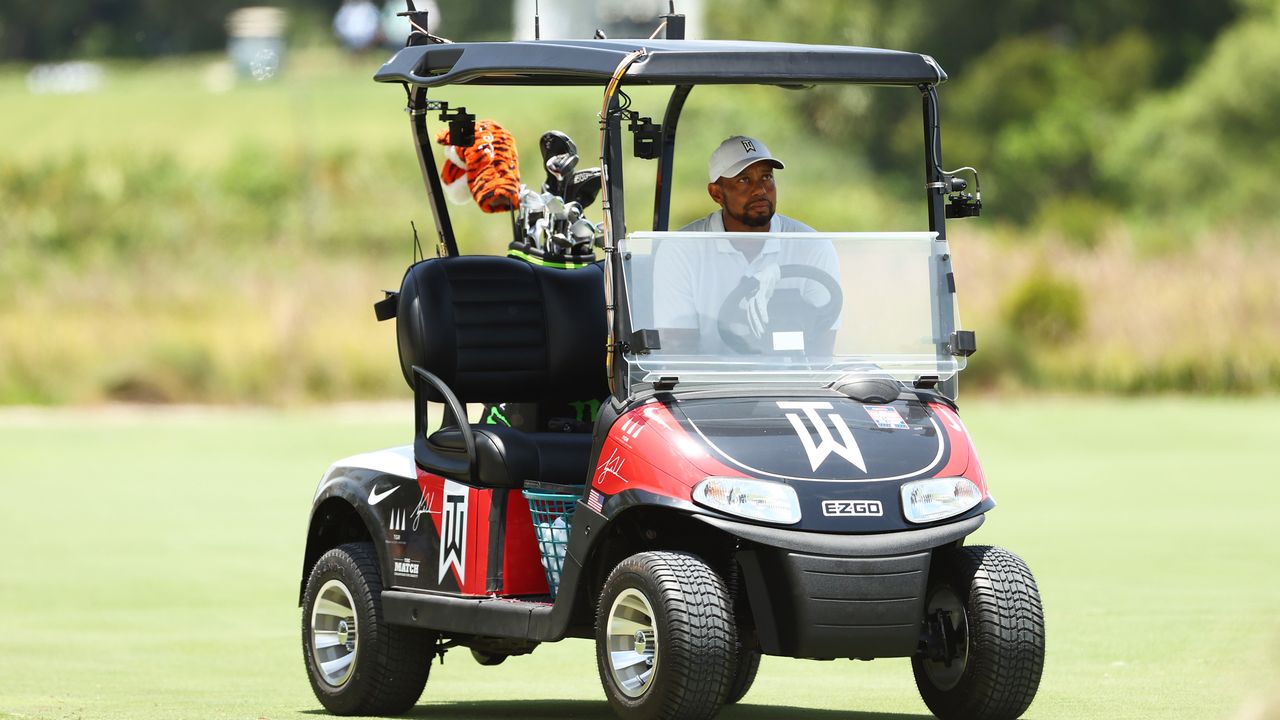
<point x="748" y="145"/>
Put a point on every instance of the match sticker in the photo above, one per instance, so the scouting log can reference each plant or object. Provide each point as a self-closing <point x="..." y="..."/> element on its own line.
<point x="886" y="417"/>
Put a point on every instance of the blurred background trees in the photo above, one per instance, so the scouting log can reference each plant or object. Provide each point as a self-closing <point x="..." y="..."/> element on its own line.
<point x="37" y="30"/>
<point x="1082" y="106"/>
<point x="1128" y="242"/>
<point x="1085" y="108"/>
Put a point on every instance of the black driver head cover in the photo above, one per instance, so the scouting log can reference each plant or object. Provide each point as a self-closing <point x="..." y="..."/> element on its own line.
<point x="583" y="187"/>
<point x="554" y="143"/>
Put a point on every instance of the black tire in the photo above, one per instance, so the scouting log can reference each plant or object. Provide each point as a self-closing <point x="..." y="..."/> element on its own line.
<point x="677" y="611"/>
<point x="744" y="675"/>
<point x="370" y="668"/>
<point x="992" y="601"/>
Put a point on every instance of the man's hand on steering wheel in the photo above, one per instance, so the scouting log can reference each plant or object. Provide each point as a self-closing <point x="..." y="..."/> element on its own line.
<point x="756" y="291"/>
<point x="758" y="303"/>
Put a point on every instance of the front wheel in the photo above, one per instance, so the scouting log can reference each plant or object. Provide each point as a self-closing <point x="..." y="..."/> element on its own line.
<point x="986" y="636"/>
<point x="665" y="638"/>
<point x="744" y="676"/>
<point x="357" y="664"/>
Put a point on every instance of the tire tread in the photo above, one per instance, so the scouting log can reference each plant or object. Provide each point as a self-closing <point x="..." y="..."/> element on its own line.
<point x="1006" y="636"/>
<point x="697" y="649"/>
<point x="390" y="677"/>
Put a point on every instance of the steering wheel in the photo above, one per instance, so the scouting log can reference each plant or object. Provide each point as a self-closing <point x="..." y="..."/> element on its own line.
<point x="819" y="321"/>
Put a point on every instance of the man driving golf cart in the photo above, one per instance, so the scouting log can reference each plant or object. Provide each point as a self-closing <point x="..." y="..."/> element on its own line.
<point x="741" y="172"/>
<point x="814" y="507"/>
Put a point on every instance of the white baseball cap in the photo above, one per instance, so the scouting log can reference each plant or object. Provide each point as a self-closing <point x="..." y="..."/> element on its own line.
<point x="735" y="154"/>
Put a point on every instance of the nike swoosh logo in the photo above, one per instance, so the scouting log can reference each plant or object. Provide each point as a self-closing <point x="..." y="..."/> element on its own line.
<point x="376" y="497"/>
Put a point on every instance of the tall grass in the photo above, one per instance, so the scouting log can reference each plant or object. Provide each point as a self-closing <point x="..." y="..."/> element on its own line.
<point x="164" y="240"/>
<point x="1199" y="318"/>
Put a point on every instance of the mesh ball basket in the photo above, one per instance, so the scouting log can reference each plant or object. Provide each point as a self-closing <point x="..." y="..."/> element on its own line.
<point x="551" y="507"/>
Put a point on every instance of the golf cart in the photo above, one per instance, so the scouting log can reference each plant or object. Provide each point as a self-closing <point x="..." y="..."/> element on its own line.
<point x="800" y="485"/>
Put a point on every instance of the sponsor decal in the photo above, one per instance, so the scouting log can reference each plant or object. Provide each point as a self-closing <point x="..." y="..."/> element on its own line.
<point x="397" y="522"/>
<point x="631" y="429"/>
<point x="852" y="508"/>
<point x="585" y="410"/>
<point x="612" y="466"/>
<point x="406" y="567"/>
<point x="376" y="497"/>
<point x="595" y="499"/>
<point x="453" y="531"/>
<point x="886" y="417"/>
<point x="423" y="508"/>
<point x="827" y="445"/>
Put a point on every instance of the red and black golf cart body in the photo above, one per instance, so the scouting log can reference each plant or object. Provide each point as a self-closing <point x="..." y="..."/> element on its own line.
<point x="724" y="504"/>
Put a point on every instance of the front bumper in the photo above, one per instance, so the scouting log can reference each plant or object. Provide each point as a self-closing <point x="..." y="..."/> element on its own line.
<point x="822" y="596"/>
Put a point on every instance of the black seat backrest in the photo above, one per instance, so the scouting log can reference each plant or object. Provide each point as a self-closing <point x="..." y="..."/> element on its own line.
<point x="497" y="329"/>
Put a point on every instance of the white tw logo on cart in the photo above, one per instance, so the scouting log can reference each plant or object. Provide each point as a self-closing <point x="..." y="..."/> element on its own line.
<point x="826" y="445"/>
<point x="453" y="531"/>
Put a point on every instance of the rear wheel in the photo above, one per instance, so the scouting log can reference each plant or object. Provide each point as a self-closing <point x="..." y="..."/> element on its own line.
<point x="665" y="638"/>
<point x="357" y="664"/>
<point x="987" y="636"/>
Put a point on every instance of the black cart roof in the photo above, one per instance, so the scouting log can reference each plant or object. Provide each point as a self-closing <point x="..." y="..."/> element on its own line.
<point x="666" y="62"/>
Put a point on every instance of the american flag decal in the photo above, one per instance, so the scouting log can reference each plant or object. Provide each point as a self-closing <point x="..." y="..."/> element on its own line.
<point x="595" y="500"/>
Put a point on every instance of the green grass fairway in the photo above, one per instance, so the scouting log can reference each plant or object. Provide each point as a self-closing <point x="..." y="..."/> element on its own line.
<point x="152" y="566"/>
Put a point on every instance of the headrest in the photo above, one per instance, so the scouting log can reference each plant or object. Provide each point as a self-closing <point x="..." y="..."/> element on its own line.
<point x="501" y="330"/>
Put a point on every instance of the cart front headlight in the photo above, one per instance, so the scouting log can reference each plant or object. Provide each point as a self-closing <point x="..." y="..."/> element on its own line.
<point x="938" y="498"/>
<point x="763" y="500"/>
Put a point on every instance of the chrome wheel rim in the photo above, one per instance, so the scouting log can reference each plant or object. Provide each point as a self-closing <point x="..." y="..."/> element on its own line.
<point x="942" y="675"/>
<point x="334" y="635"/>
<point x="632" y="643"/>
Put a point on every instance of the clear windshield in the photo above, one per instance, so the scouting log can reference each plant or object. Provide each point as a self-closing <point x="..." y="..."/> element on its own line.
<point x="789" y="307"/>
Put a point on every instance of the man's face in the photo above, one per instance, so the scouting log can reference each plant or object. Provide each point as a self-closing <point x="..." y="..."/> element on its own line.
<point x="748" y="198"/>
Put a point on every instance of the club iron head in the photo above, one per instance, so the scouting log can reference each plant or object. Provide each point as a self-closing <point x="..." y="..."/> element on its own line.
<point x="553" y="144"/>
<point x="583" y="232"/>
<point x="556" y="209"/>
<point x="559" y="171"/>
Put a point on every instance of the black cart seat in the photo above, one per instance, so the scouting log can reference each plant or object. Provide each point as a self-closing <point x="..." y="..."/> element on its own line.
<point x="495" y="329"/>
